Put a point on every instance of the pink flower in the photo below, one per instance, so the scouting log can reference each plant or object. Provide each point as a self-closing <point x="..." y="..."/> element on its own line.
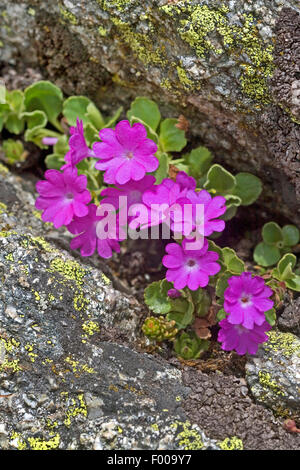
<point x="87" y="240"/>
<point x="125" y="153"/>
<point x="133" y="191"/>
<point x="49" y="140"/>
<point x="246" y="300"/>
<point x="213" y="207"/>
<point x="78" y="147"/>
<point x="161" y="198"/>
<point x="190" y="268"/>
<point x="242" y="339"/>
<point x="185" y="181"/>
<point x="62" y="196"/>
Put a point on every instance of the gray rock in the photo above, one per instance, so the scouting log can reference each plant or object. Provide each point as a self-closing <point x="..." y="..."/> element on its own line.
<point x="66" y="381"/>
<point x="231" y="68"/>
<point x="289" y="320"/>
<point x="273" y="375"/>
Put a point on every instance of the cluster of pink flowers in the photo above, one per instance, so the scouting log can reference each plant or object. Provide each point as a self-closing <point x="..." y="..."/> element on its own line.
<point x="246" y="300"/>
<point x="126" y="156"/>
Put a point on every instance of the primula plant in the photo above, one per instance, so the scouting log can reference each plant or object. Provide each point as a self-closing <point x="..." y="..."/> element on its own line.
<point x="108" y="180"/>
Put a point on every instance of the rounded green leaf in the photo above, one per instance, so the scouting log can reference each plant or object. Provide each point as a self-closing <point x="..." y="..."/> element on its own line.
<point x="233" y="263"/>
<point x="286" y="265"/>
<point x="290" y="235"/>
<point x="222" y="284"/>
<point x="76" y="107"/>
<point x="199" y="161"/>
<point x="171" y="138"/>
<point x="294" y="283"/>
<point x="266" y="255"/>
<point x="163" y="169"/>
<point x="156" y="297"/>
<point x="271" y="316"/>
<point x="248" y="188"/>
<point x="145" y="110"/>
<point x="220" y="180"/>
<point x="272" y="233"/>
<point x="47" y="97"/>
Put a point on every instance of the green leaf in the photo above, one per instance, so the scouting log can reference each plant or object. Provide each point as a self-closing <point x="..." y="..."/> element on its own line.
<point x="111" y="121"/>
<point x="171" y="138"/>
<point x="182" y="318"/>
<point x="156" y="297"/>
<point x="232" y="203"/>
<point x="222" y="284"/>
<point x="272" y="233"/>
<point x="14" y="124"/>
<point x="13" y="151"/>
<point x="233" y="263"/>
<point x="54" y="161"/>
<point x="146" y="110"/>
<point x="76" y="107"/>
<point x="47" y="97"/>
<point x="266" y="255"/>
<point x="220" y="180"/>
<point x="199" y="161"/>
<point x="290" y="235"/>
<point x="94" y="116"/>
<point x="248" y="188"/>
<point x="271" y="316"/>
<point x="221" y="314"/>
<point x="286" y="265"/>
<point x="163" y="169"/>
<point x="293" y="283"/>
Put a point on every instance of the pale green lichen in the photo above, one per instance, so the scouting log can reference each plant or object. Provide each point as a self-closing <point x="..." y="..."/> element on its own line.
<point x="189" y="438"/>
<point x="68" y="16"/>
<point x="268" y="384"/>
<point x="231" y="443"/>
<point x="3" y="207"/>
<point x="36" y="443"/>
<point x="140" y="44"/>
<point x="285" y="343"/>
<point x="200" y="21"/>
<point x="102" y="31"/>
<point x="76" y="408"/>
<point x="187" y="83"/>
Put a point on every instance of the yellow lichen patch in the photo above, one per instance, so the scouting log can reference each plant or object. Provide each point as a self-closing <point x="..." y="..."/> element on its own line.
<point x="16" y="436"/>
<point x="200" y="21"/>
<point x="41" y="444"/>
<point x="10" y="366"/>
<point x="102" y="31"/>
<point x="3" y="169"/>
<point x="37" y="214"/>
<point x="3" y="207"/>
<point x="105" y="279"/>
<point x="269" y="384"/>
<point x="42" y="243"/>
<point x="9" y="257"/>
<point x="77" y="368"/>
<point x="69" y="269"/>
<point x="30" y="348"/>
<point x="231" y="443"/>
<point x="140" y="44"/>
<point x="36" y="295"/>
<point x="68" y="16"/>
<point x="90" y="328"/>
<point x="9" y="344"/>
<point x="77" y="407"/>
<point x="285" y="343"/>
<point x="189" y="438"/>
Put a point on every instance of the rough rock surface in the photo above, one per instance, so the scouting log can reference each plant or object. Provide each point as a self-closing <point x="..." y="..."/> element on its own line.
<point x="273" y="374"/>
<point x="66" y="381"/>
<point x="72" y="375"/>
<point x="224" y="406"/>
<point x="232" y="68"/>
<point x="289" y="320"/>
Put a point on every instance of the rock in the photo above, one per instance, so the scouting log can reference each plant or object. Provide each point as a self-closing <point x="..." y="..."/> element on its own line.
<point x="273" y="375"/>
<point x="231" y="68"/>
<point x="224" y="408"/>
<point x="289" y="320"/>
<point x="65" y="382"/>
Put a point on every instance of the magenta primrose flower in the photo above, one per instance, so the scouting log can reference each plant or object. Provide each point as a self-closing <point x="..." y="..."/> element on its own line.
<point x="133" y="191"/>
<point x="62" y="196"/>
<point x="241" y="339"/>
<point x="247" y="300"/>
<point x="78" y="146"/>
<point x="190" y="268"/>
<point x="125" y="153"/>
<point x="204" y="223"/>
<point x="185" y="181"/>
<point x="161" y="198"/>
<point x="87" y="240"/>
